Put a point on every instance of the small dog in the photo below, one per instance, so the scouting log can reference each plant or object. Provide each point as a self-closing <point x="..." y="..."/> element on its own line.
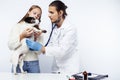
<point x="35" y="23"/>
<point x="19" y="54"/>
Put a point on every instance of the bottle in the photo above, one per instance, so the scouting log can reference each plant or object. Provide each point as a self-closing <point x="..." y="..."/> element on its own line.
<point x="85" y="75"/>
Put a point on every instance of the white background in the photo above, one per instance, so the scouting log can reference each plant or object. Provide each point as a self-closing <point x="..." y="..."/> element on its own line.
<point x="98" y="23"/>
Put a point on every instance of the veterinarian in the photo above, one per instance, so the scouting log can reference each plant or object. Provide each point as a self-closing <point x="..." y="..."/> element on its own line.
<point x="62" y="42"/>
<point x="31" y="62"/>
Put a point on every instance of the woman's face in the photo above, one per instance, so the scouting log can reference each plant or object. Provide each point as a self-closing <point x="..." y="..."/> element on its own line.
<point x="36" y="13"/>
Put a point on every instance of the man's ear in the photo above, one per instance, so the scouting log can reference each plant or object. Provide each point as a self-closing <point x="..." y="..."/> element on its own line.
<point x="60" y="12"/>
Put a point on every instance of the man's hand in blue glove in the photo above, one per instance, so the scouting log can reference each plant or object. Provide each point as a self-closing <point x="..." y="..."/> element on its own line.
<point x="33" y="46"/>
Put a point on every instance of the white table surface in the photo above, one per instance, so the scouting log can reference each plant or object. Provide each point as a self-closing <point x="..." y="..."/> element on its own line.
<point x="32" y="76"/>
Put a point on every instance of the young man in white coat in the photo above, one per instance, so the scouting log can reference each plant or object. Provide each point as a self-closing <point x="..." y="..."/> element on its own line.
<point x="62" y="43"/>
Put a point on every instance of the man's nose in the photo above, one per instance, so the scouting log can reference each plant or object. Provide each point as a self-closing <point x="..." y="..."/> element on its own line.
<point x="49" y="15"/>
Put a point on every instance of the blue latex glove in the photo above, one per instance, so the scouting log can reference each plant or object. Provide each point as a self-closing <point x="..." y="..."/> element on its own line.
<point x="33" y="46"/>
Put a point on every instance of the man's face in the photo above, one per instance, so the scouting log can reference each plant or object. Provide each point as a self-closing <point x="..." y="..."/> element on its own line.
<point x="53" y="14"/>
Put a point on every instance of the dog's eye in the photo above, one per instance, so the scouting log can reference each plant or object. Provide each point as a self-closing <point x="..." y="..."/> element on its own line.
<point x="32" y="21"/>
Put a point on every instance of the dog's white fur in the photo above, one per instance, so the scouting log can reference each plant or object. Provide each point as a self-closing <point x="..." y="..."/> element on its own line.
<point x="19" y="54"/>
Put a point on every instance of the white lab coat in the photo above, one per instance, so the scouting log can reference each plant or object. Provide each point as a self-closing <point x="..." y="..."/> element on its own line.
<point x="63" y="47"/>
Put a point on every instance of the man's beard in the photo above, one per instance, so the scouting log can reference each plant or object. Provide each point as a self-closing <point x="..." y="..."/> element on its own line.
<point x="58" y="20"/>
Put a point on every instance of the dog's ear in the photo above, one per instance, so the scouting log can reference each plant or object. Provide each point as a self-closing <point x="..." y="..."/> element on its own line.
<point x="37" y="27"/>
<point x="30" y="20"/>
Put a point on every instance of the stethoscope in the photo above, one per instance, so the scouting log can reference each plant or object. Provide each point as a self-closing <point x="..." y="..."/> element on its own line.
<point x="53" y="26"/>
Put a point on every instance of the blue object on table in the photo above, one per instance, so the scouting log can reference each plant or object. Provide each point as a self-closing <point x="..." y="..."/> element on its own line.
<point x="33" y="46"/>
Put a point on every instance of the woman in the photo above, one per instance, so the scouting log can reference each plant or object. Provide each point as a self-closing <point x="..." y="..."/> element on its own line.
<point x="20" y="32"/>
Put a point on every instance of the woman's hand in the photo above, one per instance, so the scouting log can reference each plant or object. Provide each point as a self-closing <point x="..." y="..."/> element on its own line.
<point x="26" y="33"/>
<point x="37" y="34"/>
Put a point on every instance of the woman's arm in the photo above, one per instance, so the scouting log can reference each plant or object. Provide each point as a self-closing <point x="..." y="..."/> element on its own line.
<point x="16" y="36"/>
<point x="14" y="39"/>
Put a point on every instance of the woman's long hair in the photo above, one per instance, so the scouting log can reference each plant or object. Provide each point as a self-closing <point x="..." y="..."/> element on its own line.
<point x="31" y="8"/>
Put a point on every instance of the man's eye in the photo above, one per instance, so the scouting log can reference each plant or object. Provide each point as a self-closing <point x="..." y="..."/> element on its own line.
<point x="51" y="12"/>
